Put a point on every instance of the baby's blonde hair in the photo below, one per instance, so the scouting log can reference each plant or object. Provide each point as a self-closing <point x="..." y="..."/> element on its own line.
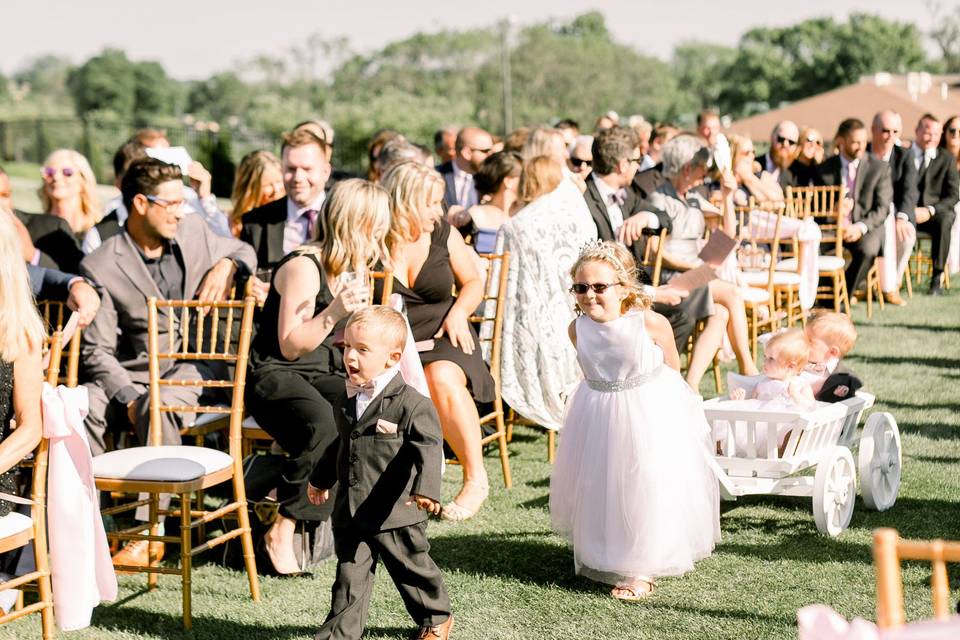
<point x="389" y="326"/>
<point x="791" y="348"/>
<point x="834" y="329"/>
<point x="624" y="266"/>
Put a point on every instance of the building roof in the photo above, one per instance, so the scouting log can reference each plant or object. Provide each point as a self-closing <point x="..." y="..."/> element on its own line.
<point x="910" y="95"/>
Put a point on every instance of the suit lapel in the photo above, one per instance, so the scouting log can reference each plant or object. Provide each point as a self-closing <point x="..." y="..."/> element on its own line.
<point x="598" y="210"/>
<point x="379" y="405"/>
<point x="131" y="265"/>
<point x="274" y="231"/>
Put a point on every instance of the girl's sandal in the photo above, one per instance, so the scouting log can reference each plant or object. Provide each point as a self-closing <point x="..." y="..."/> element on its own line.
<point x="632" y="593"/>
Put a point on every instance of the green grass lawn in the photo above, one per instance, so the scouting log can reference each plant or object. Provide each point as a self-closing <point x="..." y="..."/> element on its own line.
<point x="509" y="576"/>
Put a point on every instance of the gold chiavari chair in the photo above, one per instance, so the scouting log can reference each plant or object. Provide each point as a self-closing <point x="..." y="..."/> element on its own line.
<point x="825" y="206"/>
<point x="17" y="530"/>
<point x="55" y="315"/>
<point x="888" y="551"/>
<point x="187" y="470"/>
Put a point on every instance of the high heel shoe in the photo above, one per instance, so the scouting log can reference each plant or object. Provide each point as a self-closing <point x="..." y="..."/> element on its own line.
<point x="456" y="512"/>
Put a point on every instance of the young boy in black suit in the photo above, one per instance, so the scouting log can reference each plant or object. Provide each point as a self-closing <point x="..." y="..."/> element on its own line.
<point x="387" y="460"/>
<point x="831" y="336"/>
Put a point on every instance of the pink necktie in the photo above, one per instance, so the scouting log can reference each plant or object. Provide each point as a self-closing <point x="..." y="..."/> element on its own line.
<point x="851" y="179"/>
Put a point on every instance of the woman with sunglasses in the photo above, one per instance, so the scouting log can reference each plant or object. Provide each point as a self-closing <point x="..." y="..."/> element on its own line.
<point x="69" y="190"/>
<point x="950" y="138"/>
<point x="809" y="155"/>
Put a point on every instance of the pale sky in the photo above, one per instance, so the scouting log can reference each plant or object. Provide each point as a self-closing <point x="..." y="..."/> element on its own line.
<point x="193" y="39"/>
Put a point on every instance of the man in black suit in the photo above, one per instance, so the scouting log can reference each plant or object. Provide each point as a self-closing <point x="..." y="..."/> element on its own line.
<point x="279" y="227"/>
<point x="869" y="194"/>
<point x="783" y="145"/>
<point x="937" y="186"/>
<point x="885" y="133"/>
<point x="472" y="147"/>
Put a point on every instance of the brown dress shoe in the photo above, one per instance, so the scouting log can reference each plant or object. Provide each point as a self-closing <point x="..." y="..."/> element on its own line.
<point x="893" y="297"/>
<point x="135" y="554"/>
<point x="439" y="632"/>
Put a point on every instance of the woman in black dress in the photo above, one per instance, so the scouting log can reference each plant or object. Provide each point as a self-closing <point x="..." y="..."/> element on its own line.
<point x="429" y="258"/>
<point x="296" y="370"/>
<point x="21" y="374"/>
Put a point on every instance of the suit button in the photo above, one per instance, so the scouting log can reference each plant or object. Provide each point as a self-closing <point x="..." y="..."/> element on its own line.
<point x="354" y="459"/>
<point x="354" y="435"/>
<point x="354" y="482"/>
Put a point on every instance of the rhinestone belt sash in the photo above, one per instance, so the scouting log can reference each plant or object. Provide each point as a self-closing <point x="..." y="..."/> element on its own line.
<point x="612" y="386"/>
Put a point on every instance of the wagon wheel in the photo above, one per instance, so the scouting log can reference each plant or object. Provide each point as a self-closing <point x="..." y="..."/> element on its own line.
<point x="834" y="491"/>
<point x="880" y="461"/>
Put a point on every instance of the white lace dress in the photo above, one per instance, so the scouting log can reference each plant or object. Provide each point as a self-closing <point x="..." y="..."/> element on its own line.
<point x="632" y="489"/>
<point x="538" y="368"/>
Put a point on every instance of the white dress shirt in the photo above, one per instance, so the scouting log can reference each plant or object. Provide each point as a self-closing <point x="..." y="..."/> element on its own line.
<point x="921" y="160"/>
<point x="296" y="229"/>
<point x="614" y="212"/>
<point x="466" y="190"/>
<point x="379" y="384"/>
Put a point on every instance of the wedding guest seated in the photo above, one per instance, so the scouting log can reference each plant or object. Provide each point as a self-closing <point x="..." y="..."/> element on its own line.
<point x="885" y="132"/>
<point x="643" y="129"/>
<point x="277" y="228"/>
<point x="324" y="130"/>
<point x="498" y="183"/>
<point x="783" y="148"/>
<point x="380" y="138"/>
<point x="831" y="336"/>
<point x="751" y="180"/>
<point x="162" y="253"/>
<point x="544" y="141"/>
<point x="259" y="181"/>
<point x="569" y="129"/>
<point x="809" y="156"/>
<point x="708" y="128"/>
<point x="516" y="139"/>
<point x="397" y="151"/>
<point x="296" y="370"/>
<point x="473" y="145"/>
<point x="685" y="163"/>
<point x="428" y="258"/>
<point x="581" y="156"/>
<point x="869" y="194"/>
<point x="444" y="144"/>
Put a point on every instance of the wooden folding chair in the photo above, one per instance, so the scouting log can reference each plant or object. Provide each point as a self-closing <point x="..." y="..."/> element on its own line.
<point x="824" y="206"/>
<point x="17" y="530"/>
<point x="653" y="256"/>
<point x="923" y="264"/>
<point x="888" y="551"/>
<point x="873" y="288"/>
<point x="489" y="324"/>
<point x="186" y="470"/>
<point x="55" y="315"/>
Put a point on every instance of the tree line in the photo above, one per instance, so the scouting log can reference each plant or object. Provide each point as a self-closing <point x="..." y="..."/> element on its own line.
<point x="558" y="69"/>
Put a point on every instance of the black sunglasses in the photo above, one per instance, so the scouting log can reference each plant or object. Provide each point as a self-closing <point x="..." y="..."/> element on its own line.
<point x="581" y="288"/>
<point x="952" y="131"/>
<point x="787" y="142"/>
<point x="579" y="162"/>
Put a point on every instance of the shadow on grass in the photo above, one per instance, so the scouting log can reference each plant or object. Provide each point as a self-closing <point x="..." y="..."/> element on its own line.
<point x="922" y="327"/>
<point x="930" y="430"/>
<point x="116" y="619"/>
<point x="732" y="614"/>
<point x="937" y="363"/>
<point x="893" y="404"/>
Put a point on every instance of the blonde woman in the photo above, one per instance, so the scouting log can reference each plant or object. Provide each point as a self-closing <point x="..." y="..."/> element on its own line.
<point x="259" y="181"/>
<point x="809" y="155"/>
<point x="751" y="180"/>
<point x="69" y="190"/>
<point x="297" y="372"/>
<point x="429" y="257"/>
<point x="21" y="374"/>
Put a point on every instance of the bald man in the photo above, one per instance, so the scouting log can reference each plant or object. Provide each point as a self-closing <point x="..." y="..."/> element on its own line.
<point x="472" y="147"/>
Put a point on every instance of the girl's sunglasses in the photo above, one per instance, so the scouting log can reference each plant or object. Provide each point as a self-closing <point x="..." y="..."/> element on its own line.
<point x="581" y="288"/>
<point x="50" y="173"/>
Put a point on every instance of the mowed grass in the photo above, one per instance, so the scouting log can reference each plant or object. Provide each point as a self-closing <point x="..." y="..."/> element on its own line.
<point x="510" y="577"/>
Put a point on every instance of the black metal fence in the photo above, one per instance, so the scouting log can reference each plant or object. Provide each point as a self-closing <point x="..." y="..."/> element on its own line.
<point x="31" y="140"/>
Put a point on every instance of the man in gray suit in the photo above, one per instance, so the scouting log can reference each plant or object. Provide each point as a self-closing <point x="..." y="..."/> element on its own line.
<point x="164" y="254"/>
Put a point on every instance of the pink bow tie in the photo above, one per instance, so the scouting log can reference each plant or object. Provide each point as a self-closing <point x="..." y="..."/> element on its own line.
<point x="353" y="389"/>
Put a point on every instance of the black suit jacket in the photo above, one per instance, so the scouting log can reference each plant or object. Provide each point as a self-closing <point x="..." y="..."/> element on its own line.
<point x="377" y="472"/>
<point x="59" y="247"/>
<point x="631" y="206"/>
<point x="939" y="183"/>
<point x="872" y="192"/>
<point x="263" y="230"/>
<point x="801" y="175"/>
<point x="450" y="187"/>
<point x="839" y="385"/>
<point x="903" y="174"/>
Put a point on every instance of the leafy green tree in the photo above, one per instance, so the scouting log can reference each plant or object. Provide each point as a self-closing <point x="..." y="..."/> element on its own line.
<point x="946" y="34"/>
<point x="700" y="69"/>
<point x="105" y="83"/>
<point x="155" y="92"/>
<point x="220" y="97"/>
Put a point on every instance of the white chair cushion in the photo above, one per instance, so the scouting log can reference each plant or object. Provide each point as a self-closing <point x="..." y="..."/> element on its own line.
<point x="207" y="418"/>
<point x="824" y="263"/>
<point x="160" y="464"/>
<point x="14" y="523"/>
<point x="249" y="423"/>
<point x="780" y="278"/>
<point x="755" y="295"/>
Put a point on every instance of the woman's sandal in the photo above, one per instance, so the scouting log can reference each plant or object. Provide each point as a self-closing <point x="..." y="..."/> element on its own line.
<point x="634" y="592"/>
<point x="457" y="512"/>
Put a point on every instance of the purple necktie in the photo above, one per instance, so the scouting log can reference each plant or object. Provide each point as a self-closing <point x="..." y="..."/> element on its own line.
<point x="311" y="216"/>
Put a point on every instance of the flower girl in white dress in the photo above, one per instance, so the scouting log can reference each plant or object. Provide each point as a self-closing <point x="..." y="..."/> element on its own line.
<point x="631" y="489"/>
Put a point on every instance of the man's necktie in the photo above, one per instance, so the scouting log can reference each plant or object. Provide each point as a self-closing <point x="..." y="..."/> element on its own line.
<point x="311" y="215"/>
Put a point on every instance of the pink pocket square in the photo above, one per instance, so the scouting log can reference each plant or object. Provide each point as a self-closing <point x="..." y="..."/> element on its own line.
<point x="386" y="427"/>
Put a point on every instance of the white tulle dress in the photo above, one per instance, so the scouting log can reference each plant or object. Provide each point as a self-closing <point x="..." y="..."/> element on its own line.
<point x="631" y="488"/>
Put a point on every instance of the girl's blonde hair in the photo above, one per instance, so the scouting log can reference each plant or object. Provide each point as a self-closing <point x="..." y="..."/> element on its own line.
<point x="410" y="185"/>
<point x="618" y="258"/>
<point x="540" y="176"/>
<point x="791" y="349"/>
<point x="247" y="189"/>
<point x="544" y="141"/>
<point x="89" y="203"/>
<point x="356" y="219"/>
<point x="20" y="325"/>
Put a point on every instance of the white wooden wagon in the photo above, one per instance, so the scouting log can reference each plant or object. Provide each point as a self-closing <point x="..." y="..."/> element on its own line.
<point x="774" y="452"/>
